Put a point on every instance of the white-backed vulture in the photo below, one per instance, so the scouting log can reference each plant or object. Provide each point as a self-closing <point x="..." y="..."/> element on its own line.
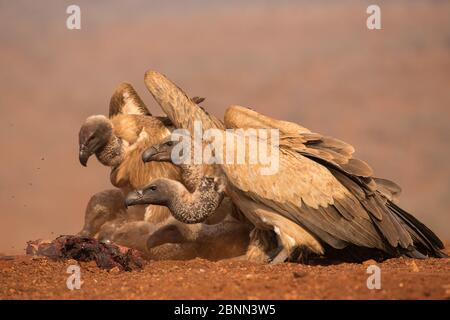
<point x="319" y="198"/>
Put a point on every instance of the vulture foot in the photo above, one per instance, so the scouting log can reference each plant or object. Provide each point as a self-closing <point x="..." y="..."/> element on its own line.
<point x="280" y="256"/>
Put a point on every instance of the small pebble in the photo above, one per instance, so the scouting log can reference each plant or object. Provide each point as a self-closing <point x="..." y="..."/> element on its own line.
<point x="114" y="270"/>
<point x="299" y="274"/>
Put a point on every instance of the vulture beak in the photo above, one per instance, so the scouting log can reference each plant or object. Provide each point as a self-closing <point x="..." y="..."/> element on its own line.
<point x="134" y="198"/>
<point x="148" y="154"/>
<point x="84" y="155"/>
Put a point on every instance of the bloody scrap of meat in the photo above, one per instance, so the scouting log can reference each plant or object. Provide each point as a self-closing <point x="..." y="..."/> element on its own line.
<point x="107" y="256"/>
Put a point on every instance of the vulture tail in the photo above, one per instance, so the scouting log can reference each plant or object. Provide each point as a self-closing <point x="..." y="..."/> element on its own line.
<point x="426" y="242"/>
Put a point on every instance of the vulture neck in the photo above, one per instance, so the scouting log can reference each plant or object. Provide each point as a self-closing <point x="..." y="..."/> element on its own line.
<point x="197" y="206"/>
<point x="191" y="176"/>
<point x="111" y="154"/>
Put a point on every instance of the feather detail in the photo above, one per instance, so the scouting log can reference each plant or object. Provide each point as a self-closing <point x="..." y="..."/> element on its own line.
<point x="125" y="100"/>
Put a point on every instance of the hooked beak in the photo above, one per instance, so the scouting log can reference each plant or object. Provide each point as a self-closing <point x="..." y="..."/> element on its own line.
<point x="134" y="198"/>
<point x="148" y="154"/>
<point x="84" y="155"/>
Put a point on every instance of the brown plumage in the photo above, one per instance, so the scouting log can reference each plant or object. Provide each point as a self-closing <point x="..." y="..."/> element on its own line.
<point x="320" y="197"/>
<point x="107" y="220"/>
<point x="119" y="140"/>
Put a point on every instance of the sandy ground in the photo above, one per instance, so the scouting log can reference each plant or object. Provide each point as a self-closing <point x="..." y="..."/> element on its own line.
<point x="39" y="278"/>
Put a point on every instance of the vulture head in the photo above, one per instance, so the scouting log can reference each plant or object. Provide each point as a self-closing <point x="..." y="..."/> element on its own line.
<point x="161" y="151"/>
<point x="158" y="192"/>
<point x="94" y="135"/>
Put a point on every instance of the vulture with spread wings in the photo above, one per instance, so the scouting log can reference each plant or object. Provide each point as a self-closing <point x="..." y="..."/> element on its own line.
<point x="320" y="197"/>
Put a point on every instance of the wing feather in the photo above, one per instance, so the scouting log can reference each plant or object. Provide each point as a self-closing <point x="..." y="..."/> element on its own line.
<point x="336" y="206"/>
<point x="241" y="117"/>
<point x="125" y="100"/>
<point x="388" y="189"/>
<point x="300" y="139"/>
<point x="308" y="194"/>
<point x="180" y="109"/>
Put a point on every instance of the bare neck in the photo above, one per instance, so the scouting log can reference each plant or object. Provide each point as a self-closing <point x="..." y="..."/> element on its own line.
<point x="191" y="176"/>
<point x="111" y="154"/>
<point x="197" y="206"/>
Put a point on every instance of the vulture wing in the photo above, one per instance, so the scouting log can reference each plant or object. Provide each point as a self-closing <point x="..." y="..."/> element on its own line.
<point x="178" y="107"/>
<point x="246" y="118"/>
<point x="358" y="208"/>
<point x="299" y="139"/>
<point x="125" y="100"/>
<point x="328" y="150"/>
<point x="309" y="194"/>
<point x="140" y="132"/>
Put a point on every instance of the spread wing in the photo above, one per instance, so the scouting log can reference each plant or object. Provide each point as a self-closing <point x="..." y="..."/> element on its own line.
<point x="125" y="100"/>
<point x="178" y="107"/>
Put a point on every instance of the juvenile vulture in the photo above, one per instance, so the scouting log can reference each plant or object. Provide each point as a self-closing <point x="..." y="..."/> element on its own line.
<point x="320" y="199"/>
<point x="169" y="240"/>
<point x="118" y="142"/>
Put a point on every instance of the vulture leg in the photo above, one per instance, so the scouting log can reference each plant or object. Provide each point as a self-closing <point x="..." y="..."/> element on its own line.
<point x="261" y="242"/>
<point x="301" y="255"/>
<point x="281" y="256"/>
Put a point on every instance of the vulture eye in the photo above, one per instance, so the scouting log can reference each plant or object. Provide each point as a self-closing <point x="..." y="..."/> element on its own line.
<point x="89" y="139"/>
<point x="153" y="188"/>
<point x="169" y="143"/>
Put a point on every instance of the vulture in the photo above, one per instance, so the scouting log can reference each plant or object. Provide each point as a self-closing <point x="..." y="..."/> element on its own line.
<point x="169" y="240"/>
<point x="118" y="141"/>
<point x="320" y="199"/>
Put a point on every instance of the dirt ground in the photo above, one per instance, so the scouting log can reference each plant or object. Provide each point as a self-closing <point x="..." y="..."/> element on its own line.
<point x="39" y="278"/>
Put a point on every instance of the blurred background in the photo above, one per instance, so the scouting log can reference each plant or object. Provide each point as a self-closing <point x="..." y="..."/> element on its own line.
<point x="387" y="92"/>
